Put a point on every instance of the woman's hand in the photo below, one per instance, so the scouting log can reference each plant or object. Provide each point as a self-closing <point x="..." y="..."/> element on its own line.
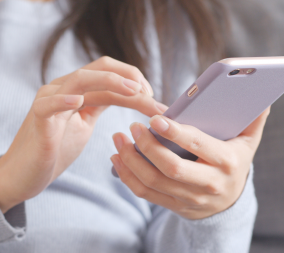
<point x="61" y="122"/>
<point x="193" y="190"/>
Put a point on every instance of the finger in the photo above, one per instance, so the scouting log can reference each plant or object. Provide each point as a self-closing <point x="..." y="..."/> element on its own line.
<point x="202" y="145"/>
<point x="106" y="63"/>
<point x="83" y="81"/>
<point x="253" y="133"/>
<point x="111" y="65"/>
<point x="47" y="90"/>
<point x="139" y="189"/>
<point x="140" y="102"/>
<point x="91" y="114"/>
<point x="46" y="107"/>
<point x="184" y="188"/>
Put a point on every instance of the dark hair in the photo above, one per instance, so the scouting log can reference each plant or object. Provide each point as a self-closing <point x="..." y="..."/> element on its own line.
<point x="111" y="25"/>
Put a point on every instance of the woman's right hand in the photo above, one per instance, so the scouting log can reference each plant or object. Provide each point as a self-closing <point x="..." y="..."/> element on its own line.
<point x="61" y="121"/>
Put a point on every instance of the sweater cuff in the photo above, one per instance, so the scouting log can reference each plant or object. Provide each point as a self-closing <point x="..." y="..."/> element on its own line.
<point x="245" y="206"/>
<point x="13" y="224"/>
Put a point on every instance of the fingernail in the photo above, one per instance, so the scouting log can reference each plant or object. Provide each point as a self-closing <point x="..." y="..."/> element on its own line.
<point x="161" y="107"/>
<point x="147" y="87"/>
<point x="118" y="141"/>
<point x="116" y="166"/>
<point x="135" y="130"/>
<point x="73" y="99"/>
<point x="159" y="124"/>
<point x="132" y="85"/>
<point x="113" y="172"/>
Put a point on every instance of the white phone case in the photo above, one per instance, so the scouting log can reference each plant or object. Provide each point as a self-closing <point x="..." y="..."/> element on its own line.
<point x="224" y="105"/>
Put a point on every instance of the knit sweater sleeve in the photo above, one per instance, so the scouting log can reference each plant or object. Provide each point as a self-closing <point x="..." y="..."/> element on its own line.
<point x="13" y="224"/>
<point x="228" y="231"/>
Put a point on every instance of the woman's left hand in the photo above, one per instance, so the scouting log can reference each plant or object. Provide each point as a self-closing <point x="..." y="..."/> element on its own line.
<point x="194" y="190"/>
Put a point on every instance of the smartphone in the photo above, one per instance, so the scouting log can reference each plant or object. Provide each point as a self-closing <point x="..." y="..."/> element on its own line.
<point x="226" y="98"/>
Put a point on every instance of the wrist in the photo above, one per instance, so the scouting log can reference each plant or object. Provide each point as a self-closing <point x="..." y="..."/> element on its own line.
<point x="4" y="208"/>
<point x="6" y="202"/>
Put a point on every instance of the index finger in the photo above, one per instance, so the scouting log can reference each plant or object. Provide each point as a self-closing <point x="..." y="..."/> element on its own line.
<point x="169" y="163"/>
<point x="125" y="70"/>
<point x="106" y="63"/>
<point x="83" y="81"/>
<point x="204" y="146"/>
<point x="140" y="102"/>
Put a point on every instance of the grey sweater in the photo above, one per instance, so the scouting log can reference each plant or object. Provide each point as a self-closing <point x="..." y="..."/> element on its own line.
<point x="86" y="209"/>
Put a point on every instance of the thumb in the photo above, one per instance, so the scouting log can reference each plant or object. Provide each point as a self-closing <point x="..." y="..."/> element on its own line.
<point x="255" y="130"/>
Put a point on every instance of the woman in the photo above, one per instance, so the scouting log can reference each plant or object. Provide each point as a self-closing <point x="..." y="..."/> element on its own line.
<point x="184" y="206"/>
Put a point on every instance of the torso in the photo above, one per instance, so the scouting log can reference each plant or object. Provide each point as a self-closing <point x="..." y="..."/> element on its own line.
<point x="86" y="207"/>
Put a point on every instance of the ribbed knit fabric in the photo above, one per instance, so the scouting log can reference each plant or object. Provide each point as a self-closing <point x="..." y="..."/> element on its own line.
<point x="86" y="209"/>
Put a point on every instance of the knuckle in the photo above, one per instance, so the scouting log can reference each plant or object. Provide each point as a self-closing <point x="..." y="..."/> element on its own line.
<point x="231" y="163"/>
<point x="213" y="189"/>
<point x="125" y="177"/>
<point x="105" y="60"/>
<point x="124" y="154"/>
<point x="141" y="192"/>
<point x="42" y="91"/>
<point x="175" y="170"/>
<point x="175" y="132"/>
<point x="54" y="103"/>
<point x="77" y="77"/>
<point x="199" y="201"/>
<point x="78" y="74"/>
<point x="145" y="146"/>
<point x="180" y="206"/>
<point x="135" y="73"/>
<point x="144" y="101"/>
<point x="111" y="77"/>
<point x="152" y="180"/>
<point x="55" y="81"/>
<point x="196" y="141"/>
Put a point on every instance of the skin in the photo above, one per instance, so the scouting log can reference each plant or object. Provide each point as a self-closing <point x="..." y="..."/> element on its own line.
<point x="68" y="109"/>
<point x="194" y="190"/>
<point x="61" y="121"/>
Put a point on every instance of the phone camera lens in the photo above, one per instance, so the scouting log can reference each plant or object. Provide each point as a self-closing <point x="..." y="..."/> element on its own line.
<point x="234" y="72"/>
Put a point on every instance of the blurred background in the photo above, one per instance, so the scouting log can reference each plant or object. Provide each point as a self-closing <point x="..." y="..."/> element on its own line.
<point x="258" y="30"/>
